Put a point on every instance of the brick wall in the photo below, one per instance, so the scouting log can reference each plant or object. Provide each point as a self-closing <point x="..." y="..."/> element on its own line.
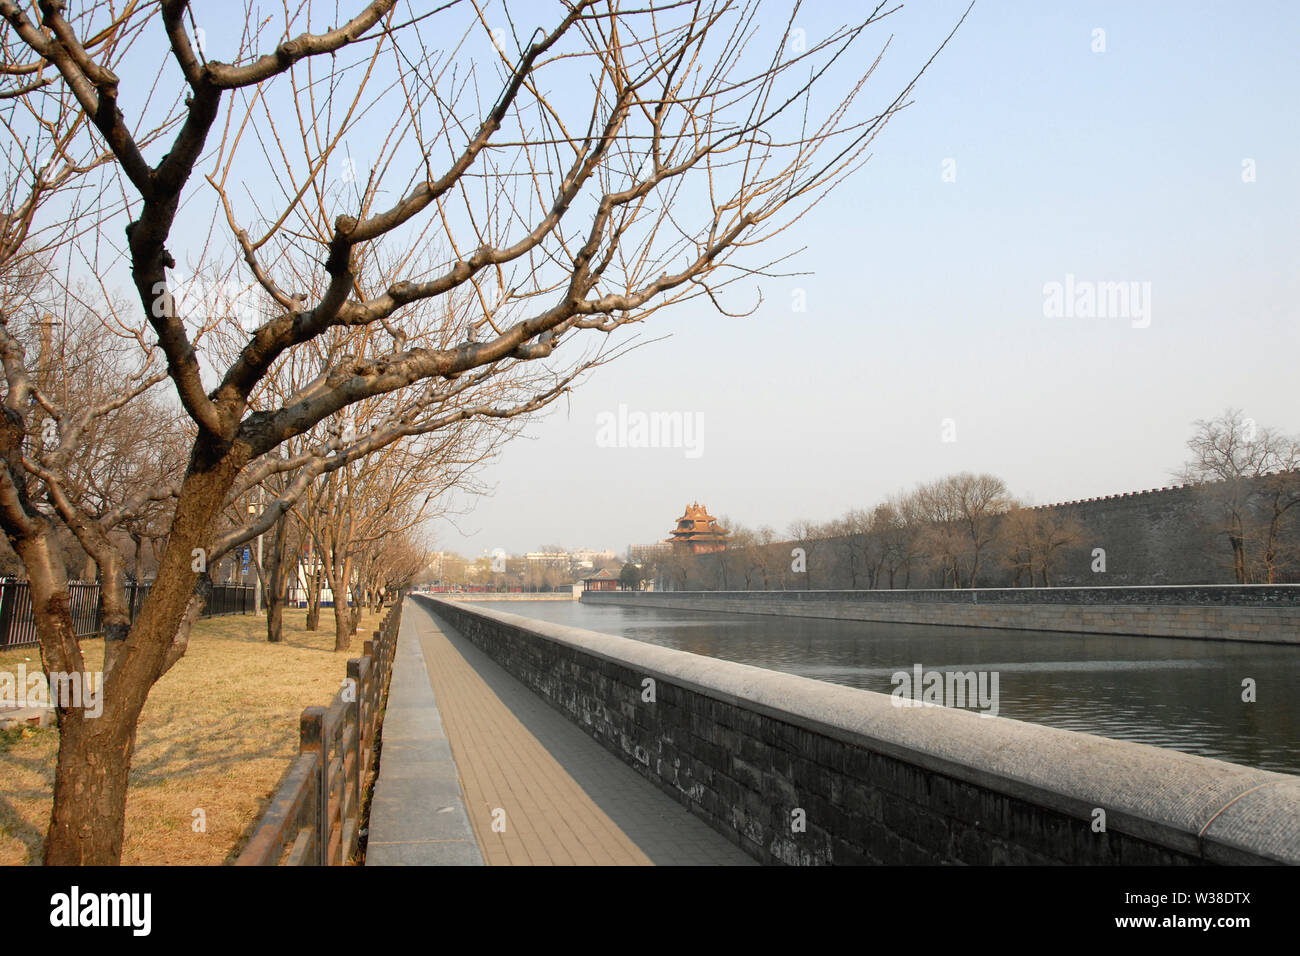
<point x="1150" y="537"/>
<point x="1163" y="536"/>
<point x="753" y="752"/>
<point x="1264" y="613"/>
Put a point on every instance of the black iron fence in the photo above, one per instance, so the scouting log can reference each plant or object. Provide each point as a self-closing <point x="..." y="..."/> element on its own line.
<point x="18" y="625"/>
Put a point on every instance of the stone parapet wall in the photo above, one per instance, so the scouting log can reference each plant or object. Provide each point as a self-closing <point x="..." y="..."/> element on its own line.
<point x="803" y="772"/>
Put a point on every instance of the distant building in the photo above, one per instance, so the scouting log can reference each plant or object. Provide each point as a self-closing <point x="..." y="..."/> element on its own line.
<point x="602" y="580"/>
<point x="649" y="554"/>
<point x="698" y="531"/>
<point x="298" y="591"/>
<point x="587" y="558"/>
<point x="548" y="559"/>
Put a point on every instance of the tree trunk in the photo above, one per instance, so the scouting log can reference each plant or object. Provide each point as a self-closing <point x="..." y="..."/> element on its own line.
<point x="88" y="821"/>
<point x="274" y="621"/>
<point x="277" y="577"/>
<point x="139" y="553"/>
<point x="343" y="627"/>
<point x="1237" y="541"/>
<point x="312" y="576"/>
<point x="356" y="608"/>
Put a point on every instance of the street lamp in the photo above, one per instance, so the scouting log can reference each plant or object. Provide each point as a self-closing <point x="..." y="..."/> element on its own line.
<point x="255" y="510"/>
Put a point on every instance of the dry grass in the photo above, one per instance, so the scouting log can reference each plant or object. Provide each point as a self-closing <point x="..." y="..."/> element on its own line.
<point x="217" y="734"/>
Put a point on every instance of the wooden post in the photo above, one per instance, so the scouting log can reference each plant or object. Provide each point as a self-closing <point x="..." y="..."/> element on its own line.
<point x="310" y="738"/>
<point x="357" y="675"/>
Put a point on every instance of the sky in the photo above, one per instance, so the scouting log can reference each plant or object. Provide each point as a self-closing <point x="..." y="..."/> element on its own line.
<point x="1148" y="146"/>
<point x="925" y="314"/>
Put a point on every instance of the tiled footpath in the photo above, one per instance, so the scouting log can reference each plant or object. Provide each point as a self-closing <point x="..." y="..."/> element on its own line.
<point x="537" y="790"/>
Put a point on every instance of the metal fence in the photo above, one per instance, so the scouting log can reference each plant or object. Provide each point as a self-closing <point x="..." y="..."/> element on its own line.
<point x="229" y="599"/>
<point x="18" y="625"/>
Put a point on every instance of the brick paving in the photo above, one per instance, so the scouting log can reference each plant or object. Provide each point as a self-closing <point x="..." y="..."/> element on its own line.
<point x="537" y="789"/>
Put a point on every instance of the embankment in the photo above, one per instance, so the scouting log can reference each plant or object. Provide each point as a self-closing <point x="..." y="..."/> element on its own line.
<point x="803" y="772"/>
<point x="1257" y="613"/>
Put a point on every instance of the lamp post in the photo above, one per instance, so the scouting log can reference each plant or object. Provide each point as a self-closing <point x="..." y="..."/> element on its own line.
<point x="255" y="510"/>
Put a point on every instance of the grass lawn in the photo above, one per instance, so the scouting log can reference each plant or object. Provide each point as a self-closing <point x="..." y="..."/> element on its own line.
<point x="216" y="735"/>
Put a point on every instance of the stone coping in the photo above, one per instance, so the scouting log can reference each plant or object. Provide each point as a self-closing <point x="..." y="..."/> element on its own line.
<point x="1222" y="812"/>
<point x="417" y="814"/>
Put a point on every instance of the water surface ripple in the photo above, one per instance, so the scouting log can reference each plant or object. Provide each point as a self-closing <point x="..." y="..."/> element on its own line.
<point x="1181" y="694"/>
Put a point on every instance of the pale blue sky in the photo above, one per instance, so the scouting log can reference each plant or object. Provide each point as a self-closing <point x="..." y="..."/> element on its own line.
<point x="927" y="300"/>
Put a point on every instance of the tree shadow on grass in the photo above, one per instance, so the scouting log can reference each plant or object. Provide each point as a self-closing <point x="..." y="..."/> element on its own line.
<point x="17" y="827"/>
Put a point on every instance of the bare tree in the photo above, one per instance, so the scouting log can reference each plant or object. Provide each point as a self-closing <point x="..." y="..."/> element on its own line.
<point x="1277" y="519"/>
<point x="941" y="537"/>
<point x="859" y="545"/>
<point x="812" y="539"/>
<point x="556" y="215"/>
<point x="963" y="510"/>
<point x="1237" y="466"/>
<point x="896" y="521"/>
<point x="1033" y="540"/>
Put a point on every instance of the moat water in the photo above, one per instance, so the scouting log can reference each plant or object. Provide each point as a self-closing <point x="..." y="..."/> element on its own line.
<point x="1182" y="694"/>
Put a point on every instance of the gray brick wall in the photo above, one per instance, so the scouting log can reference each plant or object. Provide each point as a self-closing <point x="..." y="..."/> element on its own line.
<point x="1264" y="613"/>
<point x="745" y="748"/>
<point x="1164" y="536"/>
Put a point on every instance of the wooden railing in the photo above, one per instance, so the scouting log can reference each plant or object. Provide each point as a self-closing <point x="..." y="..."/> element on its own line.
<point x="314" y="818"/>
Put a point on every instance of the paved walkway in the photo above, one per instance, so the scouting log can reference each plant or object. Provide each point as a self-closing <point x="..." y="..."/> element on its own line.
<point x="536" y="789"/>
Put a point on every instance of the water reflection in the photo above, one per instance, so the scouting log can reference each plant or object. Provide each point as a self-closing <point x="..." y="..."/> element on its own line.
<point x="1185" y="695"/>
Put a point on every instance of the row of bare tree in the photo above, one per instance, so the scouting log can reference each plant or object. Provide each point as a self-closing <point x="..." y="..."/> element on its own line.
<point x="356" y="530"/>
<point x="953" y="532"/>
<point x="965" y="530"/>
<point x="349" y="232"/>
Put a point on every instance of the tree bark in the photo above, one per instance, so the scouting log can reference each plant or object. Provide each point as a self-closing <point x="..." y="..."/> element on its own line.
<point x="312" y="576"/>
<point x="88" y="817"/>
<point x="343" y="627"/>
<point x="277" y="578"/>
<point x="88" y="821"/>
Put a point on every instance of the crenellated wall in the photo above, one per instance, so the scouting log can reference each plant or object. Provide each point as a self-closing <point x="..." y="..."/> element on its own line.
<point x="799" y="771"/>
<point x="1150" y="538"/>
<point x="1162" y="536"/>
